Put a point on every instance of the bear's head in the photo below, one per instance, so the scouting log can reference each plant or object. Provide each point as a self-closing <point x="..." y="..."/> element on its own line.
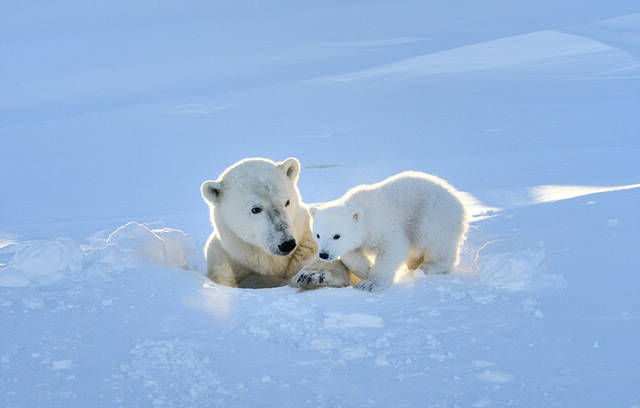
<point x="337" y="229"/>
<point x="257" y="200"/>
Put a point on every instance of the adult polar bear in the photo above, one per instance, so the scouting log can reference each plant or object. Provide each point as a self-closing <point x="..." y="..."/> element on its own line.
<point x="262" y="236"/>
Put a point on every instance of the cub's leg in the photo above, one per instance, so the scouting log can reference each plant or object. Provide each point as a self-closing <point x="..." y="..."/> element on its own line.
<point x="441" y="259"/>
<point x="441" y="243"/>
<point x="357" y="262"/>
<point x="436" y="268"/>
<point x="416" y="259"/>
<point x="392" y="255"/>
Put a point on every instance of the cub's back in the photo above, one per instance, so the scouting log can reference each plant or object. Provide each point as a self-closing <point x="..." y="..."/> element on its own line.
<point x="406" y="188"/>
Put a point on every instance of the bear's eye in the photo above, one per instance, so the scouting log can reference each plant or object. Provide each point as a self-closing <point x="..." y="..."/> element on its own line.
<point x="318" y="236"/>
<point x="337" y="236"/>
<point x="256" y="210"/>
<point x="287" y="203"/>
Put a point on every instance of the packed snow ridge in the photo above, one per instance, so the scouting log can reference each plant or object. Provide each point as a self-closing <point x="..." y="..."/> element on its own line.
<point x="44" y="262"/>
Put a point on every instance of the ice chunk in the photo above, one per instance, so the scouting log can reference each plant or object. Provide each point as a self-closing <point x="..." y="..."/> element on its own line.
<point x="137" y="239"/>
<point x="42" y="262"/>
<point x="166" y="246"/>
<point x="180" y="250"/>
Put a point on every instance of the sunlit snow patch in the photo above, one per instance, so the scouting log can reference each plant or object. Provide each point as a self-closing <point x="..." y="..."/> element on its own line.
<point x="524" y="196"/>
<point x="474" y="208"/>
<point x="545" y="194"/>
<point x="5" y="243"/>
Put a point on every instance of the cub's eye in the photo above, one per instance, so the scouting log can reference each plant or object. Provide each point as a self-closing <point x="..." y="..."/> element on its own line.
<point x="337" y="236"/>
<point x="256" y="210"/>
<point x="318" y="236"/>
<point x="287" y="203"/>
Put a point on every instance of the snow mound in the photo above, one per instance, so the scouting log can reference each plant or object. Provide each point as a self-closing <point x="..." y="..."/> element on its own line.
<point x="45" y="262"/>
<point x="180" y="249"/>
<point x="133" y="242"/>
<point x="42" y="262"/>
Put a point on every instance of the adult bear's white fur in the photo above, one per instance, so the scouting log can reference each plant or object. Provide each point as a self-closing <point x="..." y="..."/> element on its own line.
<point x="411" y="217"/>
<point x="246" y="248"/>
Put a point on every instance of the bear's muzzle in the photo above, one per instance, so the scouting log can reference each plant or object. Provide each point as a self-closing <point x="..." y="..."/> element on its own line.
<point x="287" y="246"/>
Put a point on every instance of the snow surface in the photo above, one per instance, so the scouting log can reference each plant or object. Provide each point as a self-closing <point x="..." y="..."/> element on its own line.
<point x="117" y="111"/>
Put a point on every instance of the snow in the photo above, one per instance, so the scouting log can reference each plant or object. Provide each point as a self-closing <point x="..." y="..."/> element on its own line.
<point x="42" y="262"/>
<point x="526" y="51"/>
<point x="495" y="377"/>
<point x="164" y="246"/>
<point x="345" y="321"/>
<point x="61" y="365"/>
<point x="118" y="111"/>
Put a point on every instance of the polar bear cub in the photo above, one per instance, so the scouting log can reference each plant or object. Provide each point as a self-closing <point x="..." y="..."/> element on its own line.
<point x="412" y="217"/>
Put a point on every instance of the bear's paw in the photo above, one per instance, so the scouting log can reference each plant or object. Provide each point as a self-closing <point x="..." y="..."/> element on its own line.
<point x="370" y="286"/>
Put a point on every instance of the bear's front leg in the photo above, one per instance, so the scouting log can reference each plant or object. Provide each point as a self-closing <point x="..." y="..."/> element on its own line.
<point x="220" y="267"/>
<point x="319" y="274"/>
<point x="392" y="255"/>
<point x="304" y="252"/>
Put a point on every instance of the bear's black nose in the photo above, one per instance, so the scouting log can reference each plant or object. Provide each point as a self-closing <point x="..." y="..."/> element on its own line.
<point x="287" y="246"/>
<point x="323" y="255"/>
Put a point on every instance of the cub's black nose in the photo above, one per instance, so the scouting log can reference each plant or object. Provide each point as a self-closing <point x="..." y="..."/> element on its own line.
<point x="287" y="246"/>
<point x="323" y="255"/>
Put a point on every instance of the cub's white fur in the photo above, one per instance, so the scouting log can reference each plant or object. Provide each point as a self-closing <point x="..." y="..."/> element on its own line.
<point x="413" y="218"/>
<point x="267" y="247"/>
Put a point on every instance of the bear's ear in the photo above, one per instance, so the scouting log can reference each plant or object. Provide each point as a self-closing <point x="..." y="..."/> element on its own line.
<point x="211" y="191"/>
<point x="357" y="214"/>
<point x="313" y="211"/>
<point x="291" y="168"/>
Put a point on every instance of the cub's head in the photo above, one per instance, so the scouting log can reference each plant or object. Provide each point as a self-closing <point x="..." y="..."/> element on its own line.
<point x="257" y="200"/>
<point x="337" y="230"/>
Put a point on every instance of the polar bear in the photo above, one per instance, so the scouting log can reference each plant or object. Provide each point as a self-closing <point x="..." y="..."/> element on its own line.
<point x="412" y="217"/>
<point x="262" y="236"/>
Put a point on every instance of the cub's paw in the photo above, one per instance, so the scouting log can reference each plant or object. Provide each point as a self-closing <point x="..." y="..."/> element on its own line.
<point x="370" y="286"/>
<point x="309" y="279"/>
<point x="435" y="269"/>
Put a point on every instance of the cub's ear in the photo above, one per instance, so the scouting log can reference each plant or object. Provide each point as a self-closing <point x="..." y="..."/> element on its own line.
<point x="291" y="168"/>
<point x="357" y="214"/>
<point x="313" y="211"/>
<point x="211" y="191"/>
